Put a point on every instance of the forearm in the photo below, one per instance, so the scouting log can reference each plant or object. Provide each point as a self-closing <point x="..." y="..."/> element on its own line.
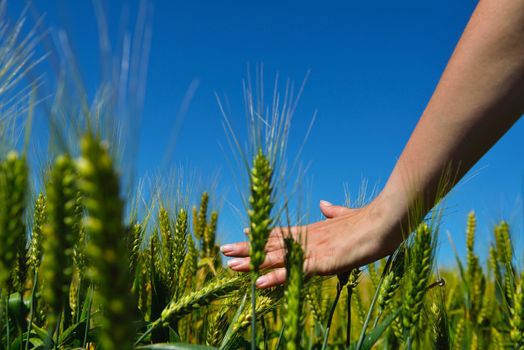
<point x="479" y="97"/>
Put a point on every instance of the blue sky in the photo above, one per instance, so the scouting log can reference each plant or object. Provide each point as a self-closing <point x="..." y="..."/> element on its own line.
<point x="373" y="68"/>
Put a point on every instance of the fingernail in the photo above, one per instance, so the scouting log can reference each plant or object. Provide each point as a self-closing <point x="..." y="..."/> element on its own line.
<point x="323" y="202"/>
<point x="227" y="248"/>
<point x="235" y="262"/>
<point x="262" y="281"/>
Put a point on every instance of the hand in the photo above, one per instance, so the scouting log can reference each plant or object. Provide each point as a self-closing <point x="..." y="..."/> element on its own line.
<point x="346" y="239"/>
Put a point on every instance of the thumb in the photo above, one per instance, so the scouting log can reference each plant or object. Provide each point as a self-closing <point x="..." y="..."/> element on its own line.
<point x="332" y="211"/>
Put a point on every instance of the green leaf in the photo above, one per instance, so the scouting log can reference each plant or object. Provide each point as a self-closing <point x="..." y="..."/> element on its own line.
<point x="40" y="332"/>
<point x="176" y="346"/>
<point x="159" y="301"/>
<point x="174" y="337"/>
<point x="36" y="342"/>
<point x="280" y="337"/>
<point x="86" y="307"/>
<point x="377" y="332"/>
<point x="229" y="331"/>
<point x="18" y="308"/>
<point x="16" y="343"/>
<point x="75" y="331"/>
<point x="465" y="281"/>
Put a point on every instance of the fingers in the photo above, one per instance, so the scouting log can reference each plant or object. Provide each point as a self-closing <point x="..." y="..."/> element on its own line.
<point x="275" y="242"/>
<point x="272" y="260"/>
<point x="283" y="231"/>
<point x="272" y="279"/>
<point x="240" y="249"/>
<point x="332" y="211"/>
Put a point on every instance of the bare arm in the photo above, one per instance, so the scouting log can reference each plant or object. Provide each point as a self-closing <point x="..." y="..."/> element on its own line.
<point x="479" y="97"/>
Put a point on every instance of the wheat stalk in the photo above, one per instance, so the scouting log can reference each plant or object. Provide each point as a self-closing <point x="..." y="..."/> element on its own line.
<point x="458" y="340"/>
<point x="517" y="316"/>
<point x="13" y="191"/>
<point x="60" y="237"/>
<point x="293" y="293"/>
<point x="421" y="256"/>
<point x="312" y="301"/>
<point x="471" y="258"/>
<point x="200" y="216"/>
<point x="137" y="233"/>
<point x="261" y="203"/>
<point x="199" y="298"/>
<point x="392" y="280"/>
<point x="179" y="246"/>
<point x="106" y="248"/>
<point x="265" y="303"/>
<point x="189" y="267"/>
<point x="209" y="248"/>
<point x="218" y="323"/>
<point x="39" y="220"/>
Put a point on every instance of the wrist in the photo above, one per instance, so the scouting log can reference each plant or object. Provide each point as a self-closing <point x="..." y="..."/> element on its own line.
<point x="391" y="212"/>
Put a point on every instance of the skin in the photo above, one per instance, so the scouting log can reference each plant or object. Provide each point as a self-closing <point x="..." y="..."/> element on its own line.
<point x="479" y="97"/>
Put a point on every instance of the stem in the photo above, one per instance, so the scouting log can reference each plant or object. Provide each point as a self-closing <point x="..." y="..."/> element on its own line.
<point x="253" y="312"/>
<point x="145" y="334"/>
<point x="280" y="337"/>
<point x="330" y="318"/>
<point x="377" y="318"/>
<point x="7" y="320"/>
<point x="88" y="318"/>
<point x="58" y="330"/>
<point x="348" y="328"/>
<point x="187" y="329"/>
<point x="31" y="310"/>
<point x="19" y="325"/>
<point x="264" y="331"/>
<point x="78" y="307"/>
<point x="372" y="306"/>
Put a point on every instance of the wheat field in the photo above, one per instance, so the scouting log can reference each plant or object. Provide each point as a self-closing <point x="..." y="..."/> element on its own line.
<point x="82" y="268"/>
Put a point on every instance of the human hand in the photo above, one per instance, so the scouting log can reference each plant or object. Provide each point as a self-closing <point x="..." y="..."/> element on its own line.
<point x="346" y="239"/>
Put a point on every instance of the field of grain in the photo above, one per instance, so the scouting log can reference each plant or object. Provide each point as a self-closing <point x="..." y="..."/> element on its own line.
<point x="81" y="267"/>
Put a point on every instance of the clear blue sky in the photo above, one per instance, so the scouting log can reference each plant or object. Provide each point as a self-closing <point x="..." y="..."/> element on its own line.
<point x="374" y="65"/>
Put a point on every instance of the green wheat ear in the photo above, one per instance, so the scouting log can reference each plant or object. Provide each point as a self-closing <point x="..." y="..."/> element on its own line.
<point x="13" y="191"/>
<point x="39" y="220"/>
<point x="312" y="296"/>
<point x="179" y="247"/>
<point x="458" y="339"/>
<point x="421" y="258"/>
<point x="517" y="316"/>
<point x="504" y="250"/>
<point x="106" y="249"/>
<point x="200" y="217"/>
<point x="440" y="323"/>
<point x="60" y="236"/>
<point x="265" y="303"/>
<point x="166" y="233"/>
<point x="392" y="280"/>
<point x="261" y="203"/>
<point x="218" y="324"/>
<point x="472" y="259"/>
<point x="215" y="289"/>
<point x="503" y="243"/>
<point x="293" y="293"/>
<point x="166" y="281"/>
<point x="135" y="242"/>
<point x="79" y="251"/>
<point x="210" y="249"/>
<point x="189" y="267"/>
